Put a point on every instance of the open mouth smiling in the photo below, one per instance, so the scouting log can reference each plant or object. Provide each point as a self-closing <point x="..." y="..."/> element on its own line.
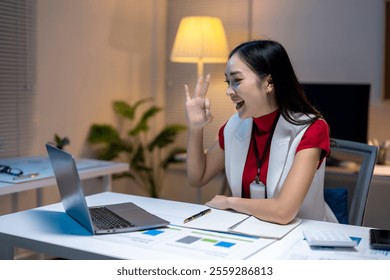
<point x="238" y="103"/>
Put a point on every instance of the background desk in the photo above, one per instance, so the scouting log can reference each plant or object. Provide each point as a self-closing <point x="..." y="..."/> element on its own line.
<point x="87" y="168"/>
<point x="49" y="230"/>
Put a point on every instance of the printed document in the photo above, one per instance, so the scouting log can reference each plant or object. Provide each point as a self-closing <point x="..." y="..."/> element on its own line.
<point x="234" y="222"/>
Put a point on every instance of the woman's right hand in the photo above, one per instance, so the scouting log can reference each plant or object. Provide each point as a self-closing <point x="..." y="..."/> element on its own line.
<point x="198" y="107"/>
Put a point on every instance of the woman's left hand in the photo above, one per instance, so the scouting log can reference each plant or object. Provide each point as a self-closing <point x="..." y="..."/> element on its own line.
<point x="219" y="201"/>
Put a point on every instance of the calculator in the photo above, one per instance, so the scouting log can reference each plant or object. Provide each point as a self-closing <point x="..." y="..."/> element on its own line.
<point x="328" y="238"/>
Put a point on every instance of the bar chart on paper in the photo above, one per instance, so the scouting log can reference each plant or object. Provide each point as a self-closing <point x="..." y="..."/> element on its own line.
<point x="196" y="244"/>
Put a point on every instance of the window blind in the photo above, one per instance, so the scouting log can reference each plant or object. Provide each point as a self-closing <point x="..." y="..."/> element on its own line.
<point x="17" y="75"/>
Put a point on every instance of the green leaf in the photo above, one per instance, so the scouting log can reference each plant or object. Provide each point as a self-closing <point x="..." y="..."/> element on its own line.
<point x="138" y="158"/>
<point x="113" y="150"/>
<point x="61" y="142"/>
<point x="108" y="153"/>
<point x="123" y="174"/>
<point x="123" y="109"/>
<point x="141" y="101"/>
<point x="127" y="111"/>
<point x="143" y="122"/>
<point x="171" y="157"/>
<point x="103" y="133"/>
<point x="57" y="139"/>
<point x="166" y="136"/>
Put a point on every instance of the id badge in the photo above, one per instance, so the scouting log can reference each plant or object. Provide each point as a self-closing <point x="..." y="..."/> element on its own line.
<point x="257" y="190"/>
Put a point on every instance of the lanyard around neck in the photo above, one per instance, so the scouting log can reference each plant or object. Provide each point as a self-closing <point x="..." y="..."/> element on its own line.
<point x="259" y="160"/>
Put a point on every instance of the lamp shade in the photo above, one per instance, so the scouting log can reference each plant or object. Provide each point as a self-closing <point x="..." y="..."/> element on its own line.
<point x="200" y="40"/>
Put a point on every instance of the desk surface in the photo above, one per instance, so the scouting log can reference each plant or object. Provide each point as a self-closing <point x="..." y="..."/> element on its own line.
<point x="379" y="170"/>
<point x="382" y="170"/>
<point x="49" y="230"/>
<point x="294" y="247"/>
<point x="88" y="168"/>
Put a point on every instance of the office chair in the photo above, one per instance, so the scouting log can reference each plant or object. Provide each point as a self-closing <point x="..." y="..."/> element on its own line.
<point x="365" y="156"/>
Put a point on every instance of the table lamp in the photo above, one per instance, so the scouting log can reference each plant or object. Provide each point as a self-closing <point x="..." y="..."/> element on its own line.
<point x="200" y="40"/>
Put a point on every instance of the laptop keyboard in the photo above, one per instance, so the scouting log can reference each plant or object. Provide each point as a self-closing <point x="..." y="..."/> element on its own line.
<point x="104" y="218"/>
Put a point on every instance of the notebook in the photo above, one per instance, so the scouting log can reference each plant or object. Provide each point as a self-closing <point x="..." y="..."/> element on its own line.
<point x="123" y="217"/>
<point x="240" y="223"/>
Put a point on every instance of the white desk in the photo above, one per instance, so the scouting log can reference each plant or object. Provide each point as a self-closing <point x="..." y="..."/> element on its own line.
<point x="49" y="230"/>
<point x="87" y="168"/>
<point x="294" y="247"/>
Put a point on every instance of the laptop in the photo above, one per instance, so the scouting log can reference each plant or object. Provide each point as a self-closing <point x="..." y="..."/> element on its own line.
<point x="112" y="218"/>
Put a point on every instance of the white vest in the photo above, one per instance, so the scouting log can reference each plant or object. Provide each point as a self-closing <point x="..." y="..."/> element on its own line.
<point x="286" y="138"/>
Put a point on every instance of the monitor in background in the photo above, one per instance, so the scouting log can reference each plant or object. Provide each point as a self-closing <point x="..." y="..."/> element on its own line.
<point x="344" y="106"/>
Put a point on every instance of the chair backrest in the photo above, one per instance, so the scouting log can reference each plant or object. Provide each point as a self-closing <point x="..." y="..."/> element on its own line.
<point x="365" y="155"/>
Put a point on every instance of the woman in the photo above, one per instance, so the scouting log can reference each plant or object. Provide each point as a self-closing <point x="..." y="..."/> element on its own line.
<point x="273" y="149"/>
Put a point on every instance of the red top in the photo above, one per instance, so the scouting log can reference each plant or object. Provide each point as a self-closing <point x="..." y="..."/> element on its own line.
<point x="317" y="135"/>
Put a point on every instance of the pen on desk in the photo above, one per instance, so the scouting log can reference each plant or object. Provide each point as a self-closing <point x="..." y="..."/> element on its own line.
<point x="200" y="214"/>
<point x="26" y="176"/>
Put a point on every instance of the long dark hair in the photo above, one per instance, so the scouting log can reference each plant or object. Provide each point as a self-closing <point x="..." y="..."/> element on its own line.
<point x="266" y="57"/>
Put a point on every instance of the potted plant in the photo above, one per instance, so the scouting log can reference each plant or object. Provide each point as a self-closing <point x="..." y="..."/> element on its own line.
<point x="60" y="142"/>
<point x="148" y="157"/>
